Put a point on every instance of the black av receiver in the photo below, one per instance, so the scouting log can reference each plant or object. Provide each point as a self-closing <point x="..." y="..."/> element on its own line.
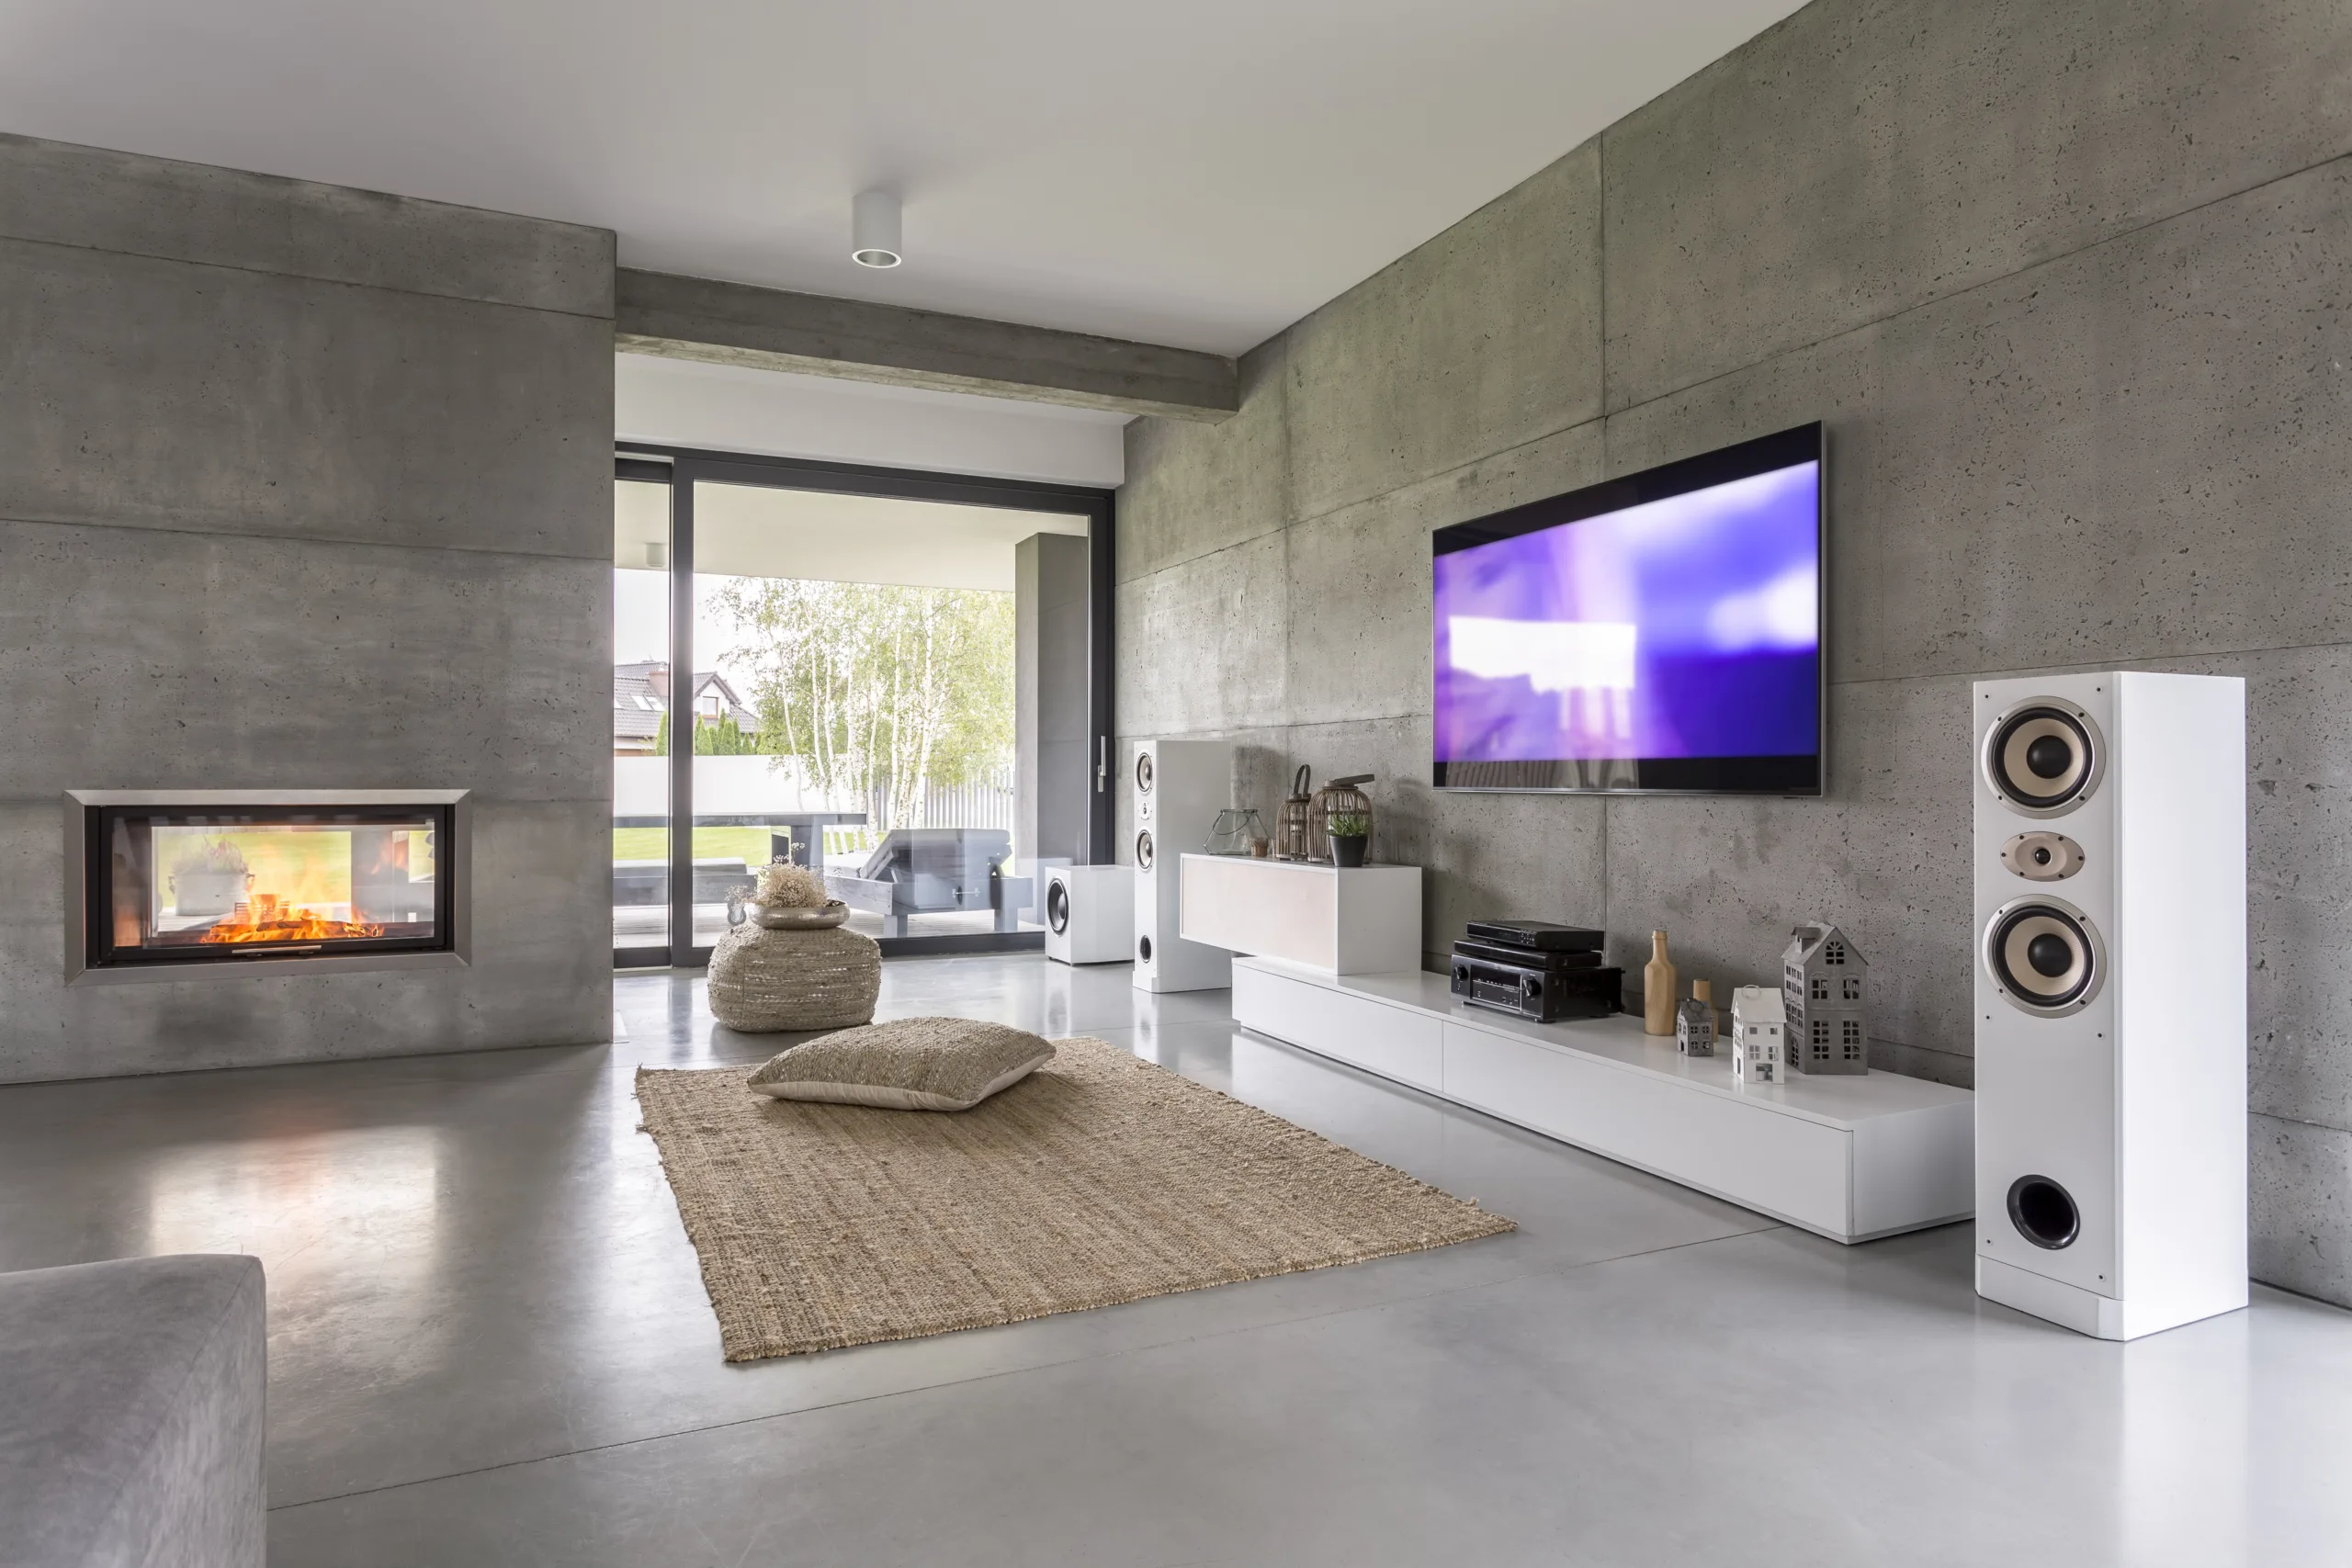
<point x="1534" y="989"/>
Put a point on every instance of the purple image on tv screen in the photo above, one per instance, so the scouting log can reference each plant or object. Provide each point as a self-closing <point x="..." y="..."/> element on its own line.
<point x="1682" y="627"/>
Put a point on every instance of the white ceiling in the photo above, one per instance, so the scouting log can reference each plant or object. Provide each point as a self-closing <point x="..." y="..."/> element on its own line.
<point x="1200" y="173"/>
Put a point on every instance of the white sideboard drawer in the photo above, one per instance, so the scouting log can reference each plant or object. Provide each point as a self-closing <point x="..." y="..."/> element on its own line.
<point x="1396" y="1042"/>
<point x="1755" y="1157"/>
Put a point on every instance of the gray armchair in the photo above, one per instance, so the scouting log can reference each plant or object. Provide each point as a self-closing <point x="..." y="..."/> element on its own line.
<point x="130" y="1414"/>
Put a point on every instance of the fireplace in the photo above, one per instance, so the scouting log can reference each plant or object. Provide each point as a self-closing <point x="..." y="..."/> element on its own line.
<point x="170" y="883"/>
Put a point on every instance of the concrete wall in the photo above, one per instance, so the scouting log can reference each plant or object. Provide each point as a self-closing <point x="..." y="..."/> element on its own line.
<point x="302" y="487"/>
<point x="2067" y="282"/>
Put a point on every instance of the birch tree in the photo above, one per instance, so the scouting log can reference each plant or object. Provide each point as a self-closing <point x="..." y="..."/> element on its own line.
<point x="878" y="690"/>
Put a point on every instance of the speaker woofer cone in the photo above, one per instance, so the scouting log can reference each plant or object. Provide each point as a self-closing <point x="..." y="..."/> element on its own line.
<point x="2044" y="757"/>
<point x="1143" y="849"/>
<point x="2044" y="1213"/>
<point x="1143" y="773"/>
<point x="1057" y="906"/>
<point x="2045" y="957"/>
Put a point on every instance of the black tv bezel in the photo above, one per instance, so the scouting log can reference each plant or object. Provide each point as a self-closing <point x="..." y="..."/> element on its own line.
<point x="1786" y="777"/>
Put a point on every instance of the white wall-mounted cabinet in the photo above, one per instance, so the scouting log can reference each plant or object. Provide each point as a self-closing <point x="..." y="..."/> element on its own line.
<point x="1340" y="919"/>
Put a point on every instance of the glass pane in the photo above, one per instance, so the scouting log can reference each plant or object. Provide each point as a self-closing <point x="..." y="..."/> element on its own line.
<point x="193" y="885"/>
<point x="853" y="703"/>
<point x="640" y="714"/>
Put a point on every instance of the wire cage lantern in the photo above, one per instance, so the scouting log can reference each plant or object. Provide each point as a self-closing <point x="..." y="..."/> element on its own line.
<point x="1340" y="797"/>
<point x="1292" y="840"/>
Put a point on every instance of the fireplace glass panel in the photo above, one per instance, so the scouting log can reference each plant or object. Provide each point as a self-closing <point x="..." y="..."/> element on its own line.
<point x="192" y="885"/>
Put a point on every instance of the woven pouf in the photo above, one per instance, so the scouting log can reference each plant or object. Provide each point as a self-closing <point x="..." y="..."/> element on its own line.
<point x="763" y="980"/>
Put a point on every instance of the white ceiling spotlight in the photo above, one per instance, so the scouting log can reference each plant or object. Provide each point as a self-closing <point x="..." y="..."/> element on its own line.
<point x="874" y="234"/>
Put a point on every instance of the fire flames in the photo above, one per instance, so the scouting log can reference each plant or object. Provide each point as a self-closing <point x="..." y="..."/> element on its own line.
<point x="267" y="917"/>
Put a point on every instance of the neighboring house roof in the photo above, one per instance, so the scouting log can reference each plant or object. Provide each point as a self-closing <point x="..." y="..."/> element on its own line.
<point x="640" y="696"/>
<point x="636" y="711"/>
<point x="709" y="680"/>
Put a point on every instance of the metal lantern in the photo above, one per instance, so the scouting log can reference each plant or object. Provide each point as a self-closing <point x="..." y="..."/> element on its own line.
<point x="1340" y="797"/>
<point x="1291" y="838"/>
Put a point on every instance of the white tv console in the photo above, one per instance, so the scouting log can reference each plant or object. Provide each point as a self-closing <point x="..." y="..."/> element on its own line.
<point x="1849" y="1157"/>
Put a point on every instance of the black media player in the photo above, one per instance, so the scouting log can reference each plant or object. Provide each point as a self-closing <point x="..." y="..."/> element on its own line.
<point x="1542" y="935"/>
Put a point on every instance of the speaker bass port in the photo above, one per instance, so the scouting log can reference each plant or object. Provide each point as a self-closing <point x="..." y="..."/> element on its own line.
<point x="2044" y="757"/>
<point x="2044" y="1213"/>
<point x="2045" y="957"/>
<point x="2042" y="857"/>
<point x="1143" y="851"/>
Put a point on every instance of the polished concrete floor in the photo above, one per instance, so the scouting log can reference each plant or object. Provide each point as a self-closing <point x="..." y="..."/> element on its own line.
<point x="488" y="1345"/>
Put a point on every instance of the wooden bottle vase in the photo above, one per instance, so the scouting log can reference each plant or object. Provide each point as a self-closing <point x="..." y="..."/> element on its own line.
<point x="1658" y="985"/>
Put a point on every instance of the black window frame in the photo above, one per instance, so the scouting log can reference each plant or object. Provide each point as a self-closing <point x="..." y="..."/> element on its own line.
<point x="681" y="467"/>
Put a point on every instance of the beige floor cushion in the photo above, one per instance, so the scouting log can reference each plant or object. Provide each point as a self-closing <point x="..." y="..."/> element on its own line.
<point x="912" y="1064"/>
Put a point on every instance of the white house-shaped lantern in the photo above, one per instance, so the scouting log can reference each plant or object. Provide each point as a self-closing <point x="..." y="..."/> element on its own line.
<point x="1825" y="984"/>
<point x="1758" y="1035"/>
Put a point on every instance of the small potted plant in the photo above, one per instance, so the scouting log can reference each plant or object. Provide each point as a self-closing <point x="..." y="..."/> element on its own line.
<point x="1351" y="832"/>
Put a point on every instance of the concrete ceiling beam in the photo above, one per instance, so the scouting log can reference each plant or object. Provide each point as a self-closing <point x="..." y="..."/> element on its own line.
<point x="773" y="329"/>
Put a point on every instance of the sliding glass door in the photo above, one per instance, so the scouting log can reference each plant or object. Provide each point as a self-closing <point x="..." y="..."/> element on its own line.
<point x="641" y="640"/>
<point x="898" y="681"/>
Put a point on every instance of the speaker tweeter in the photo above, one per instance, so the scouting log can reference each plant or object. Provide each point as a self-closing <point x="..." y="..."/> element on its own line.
<point x="2042" y="857"/>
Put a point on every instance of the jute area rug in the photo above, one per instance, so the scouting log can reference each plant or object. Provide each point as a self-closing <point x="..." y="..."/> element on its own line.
<point x="1099" y="1179"/>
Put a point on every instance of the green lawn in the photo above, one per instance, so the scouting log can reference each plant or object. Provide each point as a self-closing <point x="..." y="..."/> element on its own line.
<point x="748" y="844"/>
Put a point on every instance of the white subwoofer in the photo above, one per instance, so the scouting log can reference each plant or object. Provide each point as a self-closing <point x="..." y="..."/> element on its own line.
<point x="1089" y="914"/>
<point x="2110" y="998"/>
<point x="1177" y="787"/>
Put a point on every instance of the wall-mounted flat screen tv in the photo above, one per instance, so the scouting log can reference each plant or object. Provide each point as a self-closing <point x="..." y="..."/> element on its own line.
<point x="1660" y="633"/>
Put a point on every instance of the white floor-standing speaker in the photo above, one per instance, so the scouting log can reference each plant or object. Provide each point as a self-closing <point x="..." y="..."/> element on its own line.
<point x="2110" y="998"/>
<point x="1179" y="787"/>
<point x="1089" y="914"/>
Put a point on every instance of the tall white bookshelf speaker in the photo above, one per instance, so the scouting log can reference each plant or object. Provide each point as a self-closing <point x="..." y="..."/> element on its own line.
<point x="1179" y="787"/>
<point x="2110" y="998"/>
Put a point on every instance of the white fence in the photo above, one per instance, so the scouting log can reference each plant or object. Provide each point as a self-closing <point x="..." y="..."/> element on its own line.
<point x="984" y="803"/>
<point x="750" y="787"/>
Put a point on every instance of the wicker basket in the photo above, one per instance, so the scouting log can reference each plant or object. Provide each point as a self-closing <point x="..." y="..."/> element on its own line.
<point x="762" y="980"/>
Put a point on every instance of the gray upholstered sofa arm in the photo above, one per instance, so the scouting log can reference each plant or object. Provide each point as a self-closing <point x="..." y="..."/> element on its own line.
<point x="130" y="1414"/>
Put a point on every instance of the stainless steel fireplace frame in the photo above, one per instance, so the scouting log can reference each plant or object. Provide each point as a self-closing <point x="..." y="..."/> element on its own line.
<point x="77" y="801"/>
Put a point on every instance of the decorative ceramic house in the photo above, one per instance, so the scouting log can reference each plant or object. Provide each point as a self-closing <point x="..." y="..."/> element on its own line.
<point x="1694" y="1027"/>
<point x="1825" y="985"/>
<point x="1758" y="1035"/>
